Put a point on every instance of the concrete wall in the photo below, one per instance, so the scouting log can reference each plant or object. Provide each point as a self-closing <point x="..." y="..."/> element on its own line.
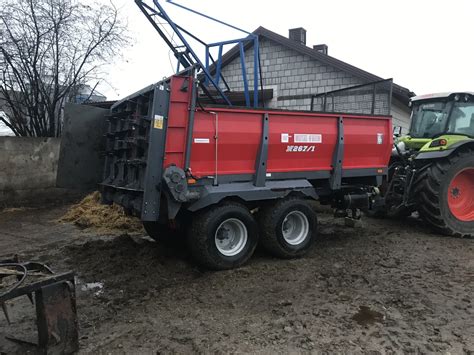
<point x="28" y="167"/>
<point x="290" y="73"/>
<point x="39" y="170"/>
<point x="81" y="159"/>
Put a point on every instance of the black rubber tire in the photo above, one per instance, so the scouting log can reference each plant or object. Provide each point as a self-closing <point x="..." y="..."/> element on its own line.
<point x="431" y="191"/>
<point x="161" y="233"/>
<point x="165" y="234"/>
<point x="270" y="220"/>
<point x="201" y="236"/>
<point x="401" y="213"/>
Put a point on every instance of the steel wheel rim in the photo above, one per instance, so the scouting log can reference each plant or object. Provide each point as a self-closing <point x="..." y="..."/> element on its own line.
<point x="295" y="228"/>
<point x="461" y="195"/>
<point x="231" y="237"/>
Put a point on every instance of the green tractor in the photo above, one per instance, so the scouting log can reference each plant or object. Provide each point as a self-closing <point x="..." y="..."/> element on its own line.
<point x="432" y="168"/>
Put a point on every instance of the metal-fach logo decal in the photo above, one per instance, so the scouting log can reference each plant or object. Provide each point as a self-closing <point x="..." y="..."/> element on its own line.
<point x="300" y="148"/>
<point x="308" y="139"/>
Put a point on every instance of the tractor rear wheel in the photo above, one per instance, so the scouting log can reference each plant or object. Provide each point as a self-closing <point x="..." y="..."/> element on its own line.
<point x="445" y="194"/>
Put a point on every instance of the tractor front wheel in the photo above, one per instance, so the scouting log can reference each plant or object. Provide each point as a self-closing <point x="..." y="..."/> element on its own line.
<point x="445" y="194"/>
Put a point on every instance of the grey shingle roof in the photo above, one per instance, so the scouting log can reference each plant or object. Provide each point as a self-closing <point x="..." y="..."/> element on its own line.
<point x="400" y="92"/>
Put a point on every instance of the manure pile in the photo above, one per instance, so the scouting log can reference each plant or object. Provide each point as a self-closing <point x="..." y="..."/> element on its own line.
<point x="107" y="219"/>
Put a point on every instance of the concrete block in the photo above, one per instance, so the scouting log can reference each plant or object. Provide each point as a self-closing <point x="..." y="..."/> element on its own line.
<point x="27" y="163"/>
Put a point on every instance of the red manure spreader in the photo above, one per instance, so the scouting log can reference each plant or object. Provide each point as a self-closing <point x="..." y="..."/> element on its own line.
<point x="231" y="177"/>
<point x="227" y="177"/>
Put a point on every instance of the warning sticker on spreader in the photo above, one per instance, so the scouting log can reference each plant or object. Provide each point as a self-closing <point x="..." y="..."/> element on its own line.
<point x="379" y="138"/>
<point x="308" y="138"/>
<point x="158" y="122"/>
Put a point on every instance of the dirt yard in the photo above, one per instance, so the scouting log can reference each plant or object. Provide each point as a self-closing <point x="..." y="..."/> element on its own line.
<point x="386" y="287"/>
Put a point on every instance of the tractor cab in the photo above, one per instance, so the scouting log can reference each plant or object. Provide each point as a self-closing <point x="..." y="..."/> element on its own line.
<point x="440" y="120"/>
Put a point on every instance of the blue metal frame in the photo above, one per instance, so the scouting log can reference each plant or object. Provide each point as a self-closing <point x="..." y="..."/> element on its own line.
<point x="244" y="73"/>
<point x="188" y="57"/>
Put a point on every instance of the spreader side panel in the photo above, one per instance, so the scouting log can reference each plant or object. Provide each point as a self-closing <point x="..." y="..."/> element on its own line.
<point x="227" y="141"/>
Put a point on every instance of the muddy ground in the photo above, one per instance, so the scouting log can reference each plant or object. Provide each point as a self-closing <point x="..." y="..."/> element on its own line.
<point x="387" y="287"/>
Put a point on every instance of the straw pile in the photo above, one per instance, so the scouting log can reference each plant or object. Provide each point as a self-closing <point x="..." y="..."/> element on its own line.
<point x="107" y="219"/>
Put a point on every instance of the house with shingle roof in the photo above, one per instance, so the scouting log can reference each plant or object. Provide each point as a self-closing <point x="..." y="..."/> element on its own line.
<point x="295" y="72"/>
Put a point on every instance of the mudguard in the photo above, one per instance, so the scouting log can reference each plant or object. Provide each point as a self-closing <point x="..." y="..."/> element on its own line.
<point x="444" y="153"/>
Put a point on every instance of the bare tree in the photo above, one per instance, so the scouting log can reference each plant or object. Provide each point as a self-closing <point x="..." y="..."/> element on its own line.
<point x="48" y="49"/>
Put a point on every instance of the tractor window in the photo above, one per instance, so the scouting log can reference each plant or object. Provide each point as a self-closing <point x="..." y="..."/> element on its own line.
<point x="428" y="119"/>
<point x="462" y="119"/>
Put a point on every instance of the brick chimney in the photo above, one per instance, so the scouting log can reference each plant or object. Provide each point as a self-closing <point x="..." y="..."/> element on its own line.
<point x="322" y="48"/>
<point x="298" y="35"/>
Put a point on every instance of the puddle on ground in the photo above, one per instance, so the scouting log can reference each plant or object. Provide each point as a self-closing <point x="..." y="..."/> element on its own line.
<point x="96" y="287"/>
<point x="366" y="316"/>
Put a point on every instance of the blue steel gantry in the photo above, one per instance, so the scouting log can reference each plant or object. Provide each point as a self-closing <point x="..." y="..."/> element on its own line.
<point x="187" y="56"/>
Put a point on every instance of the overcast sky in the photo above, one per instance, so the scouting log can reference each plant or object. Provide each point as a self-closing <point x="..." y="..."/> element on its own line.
<point x="424" y="45"/>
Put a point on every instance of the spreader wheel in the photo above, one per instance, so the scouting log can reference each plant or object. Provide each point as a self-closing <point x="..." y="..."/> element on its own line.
<point x="162" y="233"/>
<point x="223" y="237"/>
<point x="172" y="233"/>
<point x="445" y="194"/>
<point x="287" y="228"/>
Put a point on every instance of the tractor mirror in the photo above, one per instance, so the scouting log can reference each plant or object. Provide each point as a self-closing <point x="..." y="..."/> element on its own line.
<point x="397" y="131"/>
